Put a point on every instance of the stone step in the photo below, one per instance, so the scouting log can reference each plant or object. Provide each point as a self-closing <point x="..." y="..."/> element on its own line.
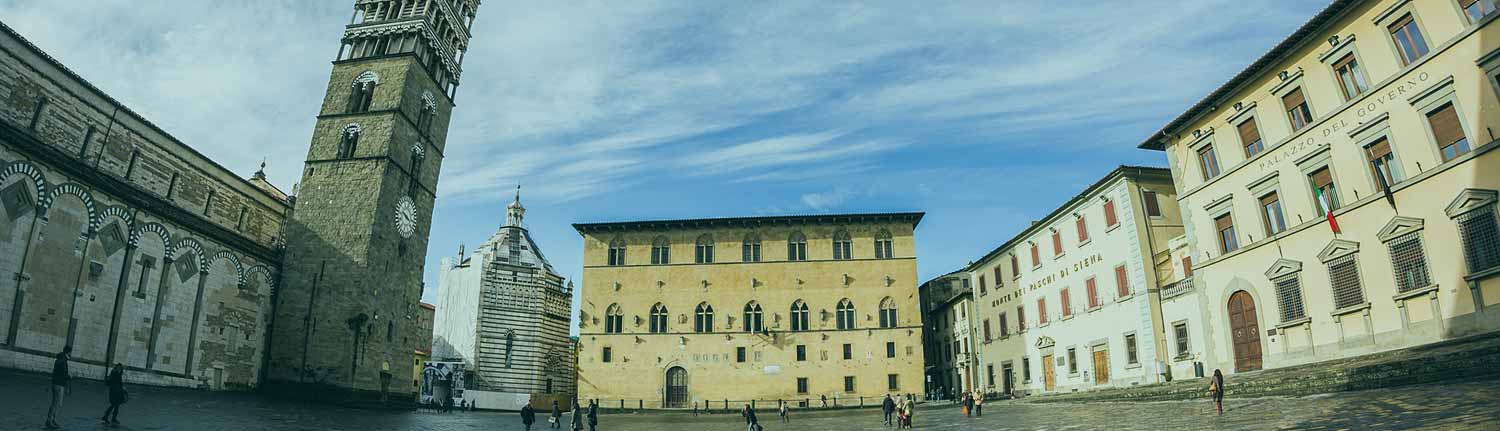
<point x="1469" y="358"/>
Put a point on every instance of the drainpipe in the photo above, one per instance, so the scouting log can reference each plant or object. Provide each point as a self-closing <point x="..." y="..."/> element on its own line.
<point x="1159" y="336"/>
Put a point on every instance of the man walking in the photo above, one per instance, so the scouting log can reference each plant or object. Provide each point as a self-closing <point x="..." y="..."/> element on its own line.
<point x="888" y="406"/>
<point x="115" y="381"/>
<point x="556" y="415"/>
<point x="751" y="424"/>
<point x="61" y="385"/>
<point x="978" y="404"/>
<point x="593" y="414"/>
<point x="528" y="416"/>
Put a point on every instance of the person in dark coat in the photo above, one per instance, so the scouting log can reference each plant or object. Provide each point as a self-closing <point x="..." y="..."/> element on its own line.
<point x="117" y="396"/>
<point x="556" y="415"/>
<point x="593" y="414"/>
<point x="577" y="417"/>
<point x="528" y="415"/>
<point x="751" y="424"/>
<point x="1216" y="388"/>
<point x="888" y="406"/>
<point x="62" y="383"/>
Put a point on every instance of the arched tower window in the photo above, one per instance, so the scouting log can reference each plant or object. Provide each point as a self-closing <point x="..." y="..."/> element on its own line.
<point x="614" y="321"/>
<point x="418" y="155"/>
<point x="751" y="248"/>
<point x="362" y="92"/>
<point x="658" y="319"/>
<point x="796" y="247"/>
<point x="753" y="320"/>
<point x="841" y="245"/>
<point x="799" y="316"/>
<point x="704" y="252"/>
<point x="617" y="252"/>
<point x="703" y="318"/>
<point x="348" y="141"/>
<point x="883" y="244"/>
<point x="661" y="251"/>
<point x="845" y="314"/>
<point x="887" y="313"/>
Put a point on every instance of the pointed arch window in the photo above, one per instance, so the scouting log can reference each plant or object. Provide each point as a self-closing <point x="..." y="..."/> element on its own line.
<point x="799" y="316"/>
<point x="796" y="247"/>
<point x="658" y="319"/>
<point x="704" y="251"/>
<point x="362" y="92"/>
<point x="617" y="252"/>
<point x="614" y="321"/>
<point x="348" y="141"/>
<point x="751" y="248"/>
<point x="842" y="245"/>
<point x="418" y="155"/>
<point x="753" y="318"/>
<point x="887" y="313"/>
<point x="845" y="314"/>
<point x="428" y="114"/>
<point x="703" y="318"/>
<point x="883" y="244"/>
<point x="661" y="250"/>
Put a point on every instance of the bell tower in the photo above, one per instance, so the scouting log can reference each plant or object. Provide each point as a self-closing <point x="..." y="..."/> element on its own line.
<point x="356" y="241"/>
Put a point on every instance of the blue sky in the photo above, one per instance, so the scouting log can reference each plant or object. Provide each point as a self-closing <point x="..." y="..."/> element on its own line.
<point x="985" y="115"/>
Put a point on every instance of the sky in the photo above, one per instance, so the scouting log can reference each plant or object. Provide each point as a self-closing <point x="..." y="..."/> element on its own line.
<point x="985" y="115"/>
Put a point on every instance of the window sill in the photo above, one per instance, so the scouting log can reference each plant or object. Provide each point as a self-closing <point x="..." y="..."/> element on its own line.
<point x="1485" y="274"/>
<point x="1112" y="227"/>
<point x="1294" y="322"/>
<point x="1350" y="309"/>
<point x="1095" y="308"/>
<point x="1043" y="325"/>
<point x="1085" y="242"/>
<point x="1067" y="317"/>
<point x="1059" y="255"/>
<point x="1180" y="358"/>
<point x="1124" y="298"/>
<point x="1416" y="292"/>
<point x="1136" y="365"/>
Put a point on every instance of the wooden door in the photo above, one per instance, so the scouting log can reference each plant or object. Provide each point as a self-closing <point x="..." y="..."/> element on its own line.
<point x="677" y="393"/>
<point x="1245" y="331"/>
<point x="1049" y="374"/>
<point x="1101" y="366"/>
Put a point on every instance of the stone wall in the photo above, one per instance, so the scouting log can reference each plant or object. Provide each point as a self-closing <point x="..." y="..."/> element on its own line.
<point x="121" y="241"/>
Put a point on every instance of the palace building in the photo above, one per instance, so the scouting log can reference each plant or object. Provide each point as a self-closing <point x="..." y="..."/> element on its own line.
<point x="504" y="314"/>
<point x="678" y="313"/>
<point x="948" y="307"/>
<point x="1339" y="194"/>
<point x="1071" y="303"/>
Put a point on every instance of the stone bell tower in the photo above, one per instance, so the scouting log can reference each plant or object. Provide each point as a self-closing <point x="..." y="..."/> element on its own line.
<point x="345" y="319"/>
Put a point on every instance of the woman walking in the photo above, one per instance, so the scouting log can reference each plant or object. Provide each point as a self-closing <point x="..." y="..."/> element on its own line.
<point x="556" y="418"/>
<point x="783" y="412"/>
<point x="117" y="396"/>
<point x="577" y="417"/>
<point x="1216" y="388"/>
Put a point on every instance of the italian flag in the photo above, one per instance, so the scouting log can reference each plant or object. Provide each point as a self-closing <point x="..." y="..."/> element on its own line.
<point x="1327" y="204"/>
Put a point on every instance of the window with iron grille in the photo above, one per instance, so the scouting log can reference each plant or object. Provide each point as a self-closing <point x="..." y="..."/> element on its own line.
<point x="1343" y="276"/>
<point x="1180" y="330"/>
<point x="1481" y="238"/>
<point x="1289" y="297"/>
<point x="1409" y="262"/>
<point x="1131" y="355"/>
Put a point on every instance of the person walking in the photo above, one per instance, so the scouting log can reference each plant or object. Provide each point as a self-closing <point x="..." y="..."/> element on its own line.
<point x="751" y="424"/>
<point x="911" y="410"/>
<point x="117" y="396"/>
<point x="1216" y="388"/>
<point x="783" y="412"/>
<point x="577" y="418"/>
<point x="888" y="407"/>
<point x="824" y="398"/>
<point x="593" y="414"/>
<point x="528" y="415"/>
<point x="978" y="404"/>
<point x="968" y="402"/>
<point x="61" y="385"/>
<point x="556" y="418"/>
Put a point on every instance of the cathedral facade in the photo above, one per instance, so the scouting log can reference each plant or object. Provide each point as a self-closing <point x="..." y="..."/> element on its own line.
<point x="504" y="313"/>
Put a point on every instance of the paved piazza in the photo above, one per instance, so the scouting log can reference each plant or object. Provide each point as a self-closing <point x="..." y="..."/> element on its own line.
<point x="1462" y="406"/>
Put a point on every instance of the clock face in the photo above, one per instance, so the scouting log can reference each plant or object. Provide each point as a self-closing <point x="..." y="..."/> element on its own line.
<point x="406" y="217"/>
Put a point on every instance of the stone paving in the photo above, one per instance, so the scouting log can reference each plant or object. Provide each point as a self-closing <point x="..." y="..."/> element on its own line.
<point x="1459" y="406"/>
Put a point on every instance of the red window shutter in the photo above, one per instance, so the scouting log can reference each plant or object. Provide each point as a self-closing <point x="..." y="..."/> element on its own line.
<point x="1187" y="266"/>
<point x="1067" y="306"/>
<point x="1041" y="310"/>
<point x="999" y="281"/>
<point x="1122" y="281"/>
<point x="1083" y="229"/>
<point x="1093" y="291"/>
<point x="1015" y="266"/>
<point x="1036" y="257"/>
<point x="1056" y="243"/>
<point x="1109" y="213"/>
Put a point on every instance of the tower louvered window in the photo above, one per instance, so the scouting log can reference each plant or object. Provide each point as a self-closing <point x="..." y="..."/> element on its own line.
<point x="1343" y="277"/>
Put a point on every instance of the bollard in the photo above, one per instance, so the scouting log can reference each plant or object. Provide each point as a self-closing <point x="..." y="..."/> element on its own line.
<point x="752" y="404"/>
<point x="861" y="400"/>
<point x="640" y="404"/>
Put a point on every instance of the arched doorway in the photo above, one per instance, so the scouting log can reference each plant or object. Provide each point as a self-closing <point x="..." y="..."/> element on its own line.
<point x="1245" y="330"/>
<point x="677" y="389"/>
